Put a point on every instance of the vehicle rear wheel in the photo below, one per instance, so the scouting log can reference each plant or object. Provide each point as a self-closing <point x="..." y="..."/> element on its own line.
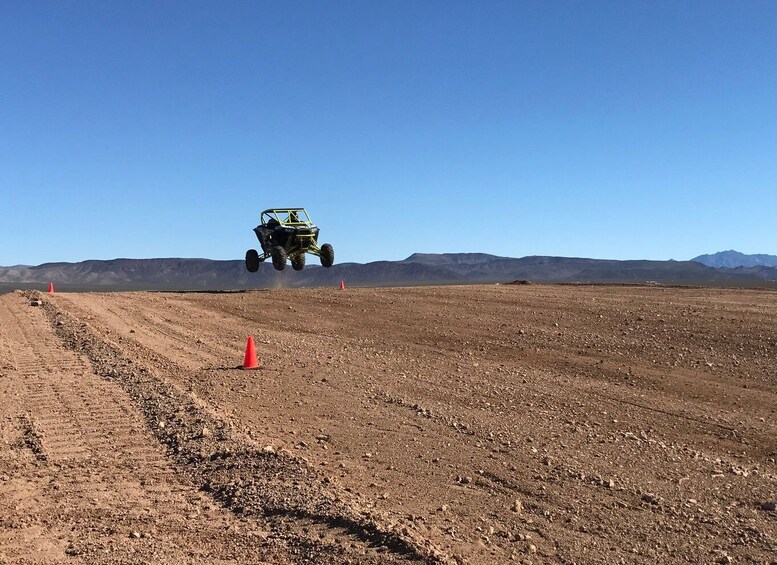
<point x="298" y="262"/>
<point x="327" y="255"/>
<point x="279" y="258"/>
<point x="252" y="260"/>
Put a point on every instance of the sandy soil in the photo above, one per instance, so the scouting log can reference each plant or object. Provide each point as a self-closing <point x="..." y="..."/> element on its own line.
<point x="484" y="424"/>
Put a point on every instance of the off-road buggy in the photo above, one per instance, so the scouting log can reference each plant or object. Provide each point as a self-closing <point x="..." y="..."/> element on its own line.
<point x="287" y="233"/>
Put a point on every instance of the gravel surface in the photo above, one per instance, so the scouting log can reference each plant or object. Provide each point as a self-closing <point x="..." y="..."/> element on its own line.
<point x="480" y="424"/>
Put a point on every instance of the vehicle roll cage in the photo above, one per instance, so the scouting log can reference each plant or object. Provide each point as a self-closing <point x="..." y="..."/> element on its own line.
<point x="286" y="217"/>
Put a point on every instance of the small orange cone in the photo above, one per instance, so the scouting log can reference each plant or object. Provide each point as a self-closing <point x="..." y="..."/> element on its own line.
<point x="51" y="288"/>
<point x="250" y="362"/>
<point x="342" y="285"/>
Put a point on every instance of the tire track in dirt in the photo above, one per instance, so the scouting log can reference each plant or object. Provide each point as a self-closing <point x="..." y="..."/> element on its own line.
<point x="98" y="489"/>
<point x="78" y="414"/>
<point x="298" y="504"/>
<point x="55" y="418"/>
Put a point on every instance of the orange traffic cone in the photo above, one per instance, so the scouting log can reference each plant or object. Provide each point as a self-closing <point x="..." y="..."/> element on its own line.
<point x="342" y="285"/>
<point x="51" y="288"/>
<point x="250" y="362"/>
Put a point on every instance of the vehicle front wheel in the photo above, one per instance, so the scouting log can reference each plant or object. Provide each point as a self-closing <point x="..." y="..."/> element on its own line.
<point x="298" y="262"/>
<point x="252" y="260"/>
<point x="327" y="255"/>
<point x="279" y="258"/>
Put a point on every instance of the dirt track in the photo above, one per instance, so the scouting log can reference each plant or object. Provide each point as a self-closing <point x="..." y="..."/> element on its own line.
<point x="458" y="424"/>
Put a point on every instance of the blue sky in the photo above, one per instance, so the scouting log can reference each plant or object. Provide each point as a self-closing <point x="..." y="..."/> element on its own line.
<point x="600" y="129"/>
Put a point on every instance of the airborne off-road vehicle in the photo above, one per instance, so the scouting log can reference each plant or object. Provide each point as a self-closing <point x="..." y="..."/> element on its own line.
<point x="287" y="233"/>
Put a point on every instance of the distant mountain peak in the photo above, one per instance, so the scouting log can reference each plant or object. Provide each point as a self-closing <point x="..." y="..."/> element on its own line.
<point x="442" y="259"/>
<point x="732" y="259"/>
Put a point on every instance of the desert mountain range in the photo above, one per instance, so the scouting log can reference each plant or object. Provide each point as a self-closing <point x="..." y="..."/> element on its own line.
<point x="418" y="269"/>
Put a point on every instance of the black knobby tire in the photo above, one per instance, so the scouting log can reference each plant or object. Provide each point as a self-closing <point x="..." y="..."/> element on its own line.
<point x="252" y="260"/>
<point x="298" y="262"/>
<point x="279" y="258"/>
<point x="327" y="255"/>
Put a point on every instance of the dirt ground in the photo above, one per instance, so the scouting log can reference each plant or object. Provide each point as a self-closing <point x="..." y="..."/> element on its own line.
<point x="470" y="424"/>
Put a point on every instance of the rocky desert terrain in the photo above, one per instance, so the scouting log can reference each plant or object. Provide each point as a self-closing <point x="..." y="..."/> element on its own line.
<point x="466" y="424"/>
